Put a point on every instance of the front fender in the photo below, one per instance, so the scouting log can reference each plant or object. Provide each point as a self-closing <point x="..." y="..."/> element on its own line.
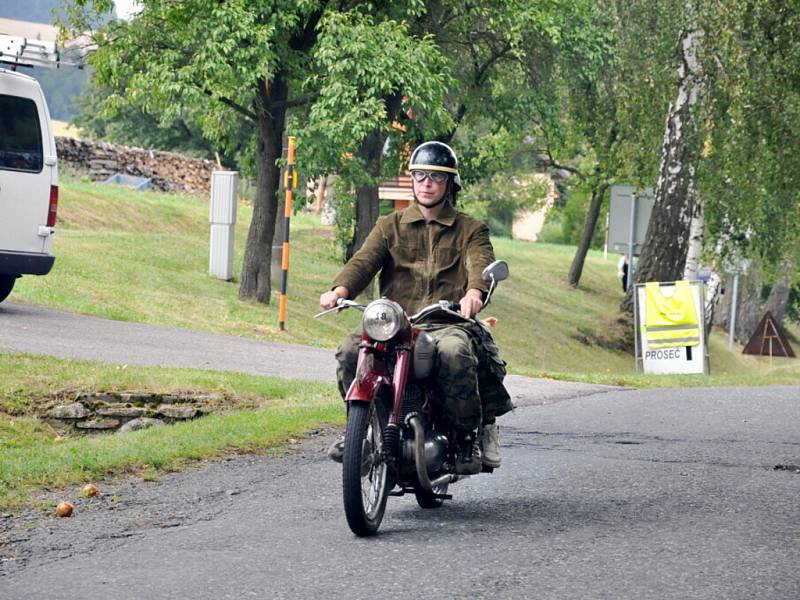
<point x="370" y="375"/>
<point x="364" y="389"/>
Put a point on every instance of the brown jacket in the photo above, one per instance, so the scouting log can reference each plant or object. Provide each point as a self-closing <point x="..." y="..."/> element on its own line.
<point x="421" y="263"/>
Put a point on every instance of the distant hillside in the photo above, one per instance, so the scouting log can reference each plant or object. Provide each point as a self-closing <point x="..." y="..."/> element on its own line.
<point x="60" y="86"/>
<point x="38" y="11"/>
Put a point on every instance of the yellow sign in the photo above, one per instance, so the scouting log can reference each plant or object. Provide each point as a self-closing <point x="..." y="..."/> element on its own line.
<point x="670" y="320"/>
<point x="295" y="180"/>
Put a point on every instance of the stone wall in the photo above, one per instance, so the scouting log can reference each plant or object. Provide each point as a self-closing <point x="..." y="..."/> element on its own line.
<point x="169" y="172"/>
<point x="108" y="412"/>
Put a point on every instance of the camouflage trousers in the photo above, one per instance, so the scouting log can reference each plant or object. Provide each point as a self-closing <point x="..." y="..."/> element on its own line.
<point x="468" y="373"/>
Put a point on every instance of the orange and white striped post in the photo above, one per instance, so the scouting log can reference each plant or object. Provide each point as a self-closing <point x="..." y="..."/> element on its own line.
<point x="289" y="183"/>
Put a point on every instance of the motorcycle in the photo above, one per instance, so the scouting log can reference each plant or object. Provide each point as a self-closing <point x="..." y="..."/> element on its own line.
<point x="395" y="442"/>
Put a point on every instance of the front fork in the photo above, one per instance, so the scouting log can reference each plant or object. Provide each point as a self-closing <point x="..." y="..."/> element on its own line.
<point x="367" y="383"/>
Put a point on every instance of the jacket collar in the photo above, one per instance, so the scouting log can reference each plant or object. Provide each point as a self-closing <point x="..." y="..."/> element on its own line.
<point x="447" y="216"/>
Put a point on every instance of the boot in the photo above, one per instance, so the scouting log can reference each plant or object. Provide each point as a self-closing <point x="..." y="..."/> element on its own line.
<point x="469" y="456"/>
<point x="490" y="445"/>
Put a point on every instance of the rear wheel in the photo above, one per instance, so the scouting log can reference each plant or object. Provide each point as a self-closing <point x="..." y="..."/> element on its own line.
<point x="365" y="481"/>
<point x="428" y="499"/>
<point x="6" y="285"/>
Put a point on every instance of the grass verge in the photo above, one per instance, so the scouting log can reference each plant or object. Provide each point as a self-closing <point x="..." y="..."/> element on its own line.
<point x="34" y="458"/>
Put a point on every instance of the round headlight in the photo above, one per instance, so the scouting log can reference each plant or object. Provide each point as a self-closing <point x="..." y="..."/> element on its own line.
<point x="382" y="319"/>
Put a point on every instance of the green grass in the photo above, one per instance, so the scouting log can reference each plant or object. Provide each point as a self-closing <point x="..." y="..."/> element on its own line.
<point x="144" y="257"/>
<point x="33" y="457"/>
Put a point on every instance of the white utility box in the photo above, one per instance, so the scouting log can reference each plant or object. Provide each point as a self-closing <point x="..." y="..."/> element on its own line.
<point x="222" y="216"/>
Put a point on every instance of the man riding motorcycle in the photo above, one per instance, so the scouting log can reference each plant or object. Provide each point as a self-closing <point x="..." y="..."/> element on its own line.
<point x="426" y="253"/>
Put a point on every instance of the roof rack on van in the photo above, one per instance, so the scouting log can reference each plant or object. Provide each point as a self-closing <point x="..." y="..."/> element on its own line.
<point x="26" y="52"/>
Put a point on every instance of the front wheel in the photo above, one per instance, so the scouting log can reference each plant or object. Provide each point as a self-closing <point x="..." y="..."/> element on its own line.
<point x="6" y="285"/>
<point x="364" y="473"/>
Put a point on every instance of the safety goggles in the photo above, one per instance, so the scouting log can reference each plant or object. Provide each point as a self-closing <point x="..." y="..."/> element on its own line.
<point x="434" y="176"/>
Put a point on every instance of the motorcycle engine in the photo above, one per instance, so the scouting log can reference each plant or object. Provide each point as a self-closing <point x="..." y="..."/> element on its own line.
<point x="435" y="451"/>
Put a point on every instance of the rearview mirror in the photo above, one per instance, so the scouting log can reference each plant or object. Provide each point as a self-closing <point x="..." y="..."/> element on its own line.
<point x="497" y="271"/>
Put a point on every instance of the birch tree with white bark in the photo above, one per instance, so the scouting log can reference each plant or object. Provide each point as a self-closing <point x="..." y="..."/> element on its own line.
<point x="666" y="243"/>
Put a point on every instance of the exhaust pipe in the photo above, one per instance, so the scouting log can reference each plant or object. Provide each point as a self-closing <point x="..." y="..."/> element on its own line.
<point x="414" y="420"/>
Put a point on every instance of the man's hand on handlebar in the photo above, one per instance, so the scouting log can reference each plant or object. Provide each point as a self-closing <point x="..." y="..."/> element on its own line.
<point x="472" y="303"/>
<point x="329" y="299"/>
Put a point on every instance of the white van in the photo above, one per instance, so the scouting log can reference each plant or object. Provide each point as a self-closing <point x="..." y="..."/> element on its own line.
<point x="28" y="180"/>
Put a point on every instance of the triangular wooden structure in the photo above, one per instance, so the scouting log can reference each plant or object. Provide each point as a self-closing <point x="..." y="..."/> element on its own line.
<point x="768" y="339"/>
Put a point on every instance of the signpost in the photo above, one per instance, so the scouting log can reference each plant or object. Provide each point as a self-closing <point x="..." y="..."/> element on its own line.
<point x="628" y="217"/>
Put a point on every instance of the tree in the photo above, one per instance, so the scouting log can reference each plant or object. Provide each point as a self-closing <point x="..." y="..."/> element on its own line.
<point x="473" y="53"/>
<point x="610" y="79"/>
<point x="233" y="56"/>
<point x="664" y="250"/>
<point x="129" y="124"/>
<point x="370" y="71"/>
<point x="751" y="175"/>
<point x="258" y="60"/>
<point x="744" y="176"/>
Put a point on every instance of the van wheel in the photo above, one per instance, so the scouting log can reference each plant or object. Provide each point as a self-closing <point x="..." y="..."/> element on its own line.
<point x="6" y="285"/>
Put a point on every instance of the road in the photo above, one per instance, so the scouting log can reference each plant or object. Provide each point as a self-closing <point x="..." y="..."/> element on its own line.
<point x="617" y="494"/>
<point x="25" y="328"/>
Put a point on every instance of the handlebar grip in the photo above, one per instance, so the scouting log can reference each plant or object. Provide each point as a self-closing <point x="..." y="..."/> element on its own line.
<point x="455" y="307"/>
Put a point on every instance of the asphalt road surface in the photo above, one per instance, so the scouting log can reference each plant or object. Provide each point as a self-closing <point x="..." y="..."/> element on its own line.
<point x="603" y="494"/>
<point x="647" y="494"/>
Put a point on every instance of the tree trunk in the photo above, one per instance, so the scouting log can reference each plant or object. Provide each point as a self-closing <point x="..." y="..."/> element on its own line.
<point x="712" y="299"/>
<point x="664" y="251"/>
<point x="255" y="281"/>
<point x="779" y="294"/>
<point x="575" y="270"/>
<point x="367" y="201"/>
<point x="696" y="229"/>
<point x="371" y="154"/>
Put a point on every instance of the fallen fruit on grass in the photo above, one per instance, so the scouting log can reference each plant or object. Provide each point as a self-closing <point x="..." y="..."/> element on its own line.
<point x="90" y="490"/>
<point x="64" y="509"/>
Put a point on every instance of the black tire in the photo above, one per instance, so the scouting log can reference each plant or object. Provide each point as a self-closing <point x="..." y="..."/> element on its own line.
<point x="365" y="480"/>
<point x="427" y="499"/>
<point x="6" y="285"/>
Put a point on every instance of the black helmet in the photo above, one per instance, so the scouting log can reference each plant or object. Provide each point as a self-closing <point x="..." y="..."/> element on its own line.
<point x="436" y="156"/>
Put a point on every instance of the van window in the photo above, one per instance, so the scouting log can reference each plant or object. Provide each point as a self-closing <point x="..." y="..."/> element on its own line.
<point x="20" y="135"/>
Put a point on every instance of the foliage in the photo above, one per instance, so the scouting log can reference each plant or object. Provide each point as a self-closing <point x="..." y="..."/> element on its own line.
<point x="502" y="57"/>
<point x="193" y="55"/>
<point x="130" y="125"/>
<point x="751" y="173"/>
<point x="360" y="61"/>
<point x="565" y="223"/>
<point x="793" y="306"/>
<point x="341" y="197"/>
<point x="497" y="200"/>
